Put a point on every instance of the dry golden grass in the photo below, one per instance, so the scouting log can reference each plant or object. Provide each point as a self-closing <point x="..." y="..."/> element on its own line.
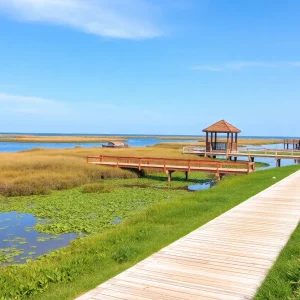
<point x="38" y="171"/>
<point x="59" y="139"/>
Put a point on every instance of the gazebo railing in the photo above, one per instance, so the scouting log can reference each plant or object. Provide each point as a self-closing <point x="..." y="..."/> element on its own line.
<point x="219" y="146"/>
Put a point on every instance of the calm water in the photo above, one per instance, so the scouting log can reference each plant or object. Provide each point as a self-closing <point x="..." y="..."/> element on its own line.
<point x="133" y="142"/>
<point x="20" y="241"/>
<point x="138" y="141"/>
<point x="271" y="161"/>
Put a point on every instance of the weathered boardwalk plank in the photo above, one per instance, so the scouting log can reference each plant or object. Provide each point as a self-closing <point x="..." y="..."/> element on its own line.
<point x="227" y="258"/>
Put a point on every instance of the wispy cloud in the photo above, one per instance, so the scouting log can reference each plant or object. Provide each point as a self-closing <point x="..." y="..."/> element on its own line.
<point x="129" y="19"/>
<point x="23" y="99"/>
<point x="18" y="107"/>
<point x="240" y="65"/>
<point x="27" y="105"/>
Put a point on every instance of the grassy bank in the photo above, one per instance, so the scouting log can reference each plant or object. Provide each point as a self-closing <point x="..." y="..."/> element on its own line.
<point x="89" y="261"/>
<point x="283" y="280"/>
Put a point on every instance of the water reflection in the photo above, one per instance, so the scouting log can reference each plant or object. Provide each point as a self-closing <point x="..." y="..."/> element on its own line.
<point x="202" y="186"/>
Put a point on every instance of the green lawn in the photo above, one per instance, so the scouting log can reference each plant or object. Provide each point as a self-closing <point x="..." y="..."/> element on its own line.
<point x="170" y="214"/>
<point x="283" y="280"/>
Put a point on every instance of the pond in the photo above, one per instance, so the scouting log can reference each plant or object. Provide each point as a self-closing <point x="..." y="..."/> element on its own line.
<point x="202" y="186"/>
<point x="19" y="241"/>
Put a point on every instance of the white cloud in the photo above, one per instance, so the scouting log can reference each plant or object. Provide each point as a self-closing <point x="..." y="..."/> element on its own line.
<point x="129" y="19"/>
<point x="239" y="65"/>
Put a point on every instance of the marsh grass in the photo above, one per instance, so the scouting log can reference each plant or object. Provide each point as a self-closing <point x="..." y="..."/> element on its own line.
<point x="23" y="175"/>
<point x="87" y="262"/>
<point x="39" y="171"/>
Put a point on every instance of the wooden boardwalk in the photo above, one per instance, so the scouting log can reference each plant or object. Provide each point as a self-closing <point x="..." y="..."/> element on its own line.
<point x="227" y="258"/>
<point x="250" y="153"/>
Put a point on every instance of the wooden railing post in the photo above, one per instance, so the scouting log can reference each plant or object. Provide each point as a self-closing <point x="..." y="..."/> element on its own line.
<point x="165" y="167"/>
<point x="189" y="166"/>
<point x="139" y="164"/>
<point x="117" y="162"/>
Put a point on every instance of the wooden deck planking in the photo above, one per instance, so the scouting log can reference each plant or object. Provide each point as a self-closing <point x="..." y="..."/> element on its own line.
<point x="173" y="167"/>
<point x="225" y="259"/>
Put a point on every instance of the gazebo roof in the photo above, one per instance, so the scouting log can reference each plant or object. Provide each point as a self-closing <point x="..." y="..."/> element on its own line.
<point x="222" y="127"/>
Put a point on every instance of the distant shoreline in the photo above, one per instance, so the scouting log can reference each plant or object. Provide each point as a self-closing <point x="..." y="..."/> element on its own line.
<point x="32" y="137"/>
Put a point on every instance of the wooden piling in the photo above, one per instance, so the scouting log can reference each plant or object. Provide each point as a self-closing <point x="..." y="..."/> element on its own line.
<point x="186" y="175"/>
<point x="278" y="162"/>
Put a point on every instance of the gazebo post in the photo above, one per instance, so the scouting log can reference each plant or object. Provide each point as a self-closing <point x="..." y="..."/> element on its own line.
<point x="227" y="140"/>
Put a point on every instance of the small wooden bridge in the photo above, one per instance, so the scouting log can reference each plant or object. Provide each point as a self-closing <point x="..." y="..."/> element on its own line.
<point x="169" y="166"/>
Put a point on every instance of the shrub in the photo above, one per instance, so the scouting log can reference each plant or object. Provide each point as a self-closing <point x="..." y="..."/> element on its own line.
<point x="97" y="188"/>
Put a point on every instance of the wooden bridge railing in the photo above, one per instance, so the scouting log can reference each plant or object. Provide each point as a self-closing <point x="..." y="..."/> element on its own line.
<point x="243" y="150"/>
<point x="271" y="150"/>
<point x="167" y="163"/>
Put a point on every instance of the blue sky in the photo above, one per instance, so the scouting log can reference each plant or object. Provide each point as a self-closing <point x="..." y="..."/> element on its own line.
<point x="149" y="66"/>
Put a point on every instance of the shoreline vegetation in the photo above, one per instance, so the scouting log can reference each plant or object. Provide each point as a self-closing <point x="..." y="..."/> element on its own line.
<point x="102" y="139"/>
<point x="89" y="261"/>
<point x="38" y="171"/>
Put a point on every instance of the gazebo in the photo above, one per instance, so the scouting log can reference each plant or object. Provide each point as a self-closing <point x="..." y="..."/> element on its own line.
<point x="222" y="126"/>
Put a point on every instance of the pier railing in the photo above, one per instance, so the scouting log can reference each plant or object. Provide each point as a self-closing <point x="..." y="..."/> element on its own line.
<point x="241" y="150"/>
<point x="167" y="163"/>
<point x="274" y="151"/>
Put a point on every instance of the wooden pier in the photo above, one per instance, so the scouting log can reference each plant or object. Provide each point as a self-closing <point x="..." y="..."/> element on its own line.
<point x="250" y="153"/>
<point x="171" y="165"/>
<point x="226" y="259"/>
<point x="295" y="143"/>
